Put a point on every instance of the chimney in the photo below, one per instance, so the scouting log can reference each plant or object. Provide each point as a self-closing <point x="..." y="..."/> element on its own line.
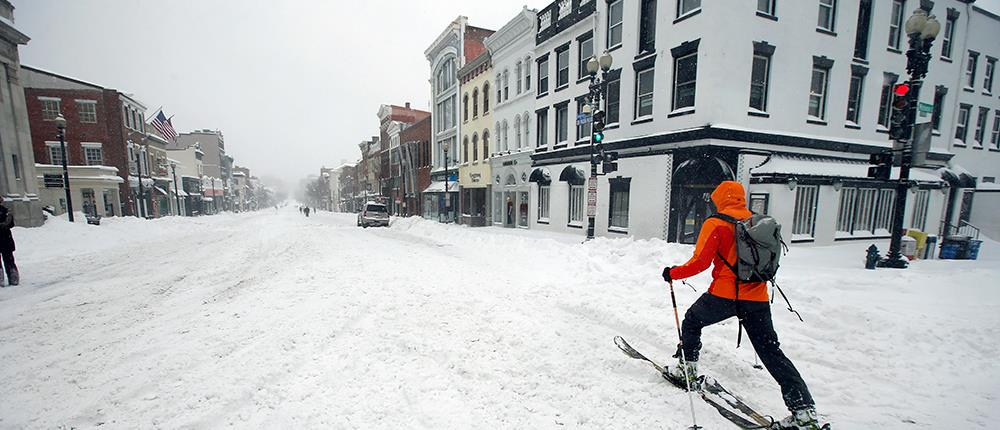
<point x="407" y="105"/>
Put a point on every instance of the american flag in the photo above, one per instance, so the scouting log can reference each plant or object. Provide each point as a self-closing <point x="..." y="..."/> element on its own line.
<point x="162" y="124"/>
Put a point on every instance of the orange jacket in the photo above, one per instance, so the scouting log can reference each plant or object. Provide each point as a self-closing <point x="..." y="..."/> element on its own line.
<point x="717" y="237"/>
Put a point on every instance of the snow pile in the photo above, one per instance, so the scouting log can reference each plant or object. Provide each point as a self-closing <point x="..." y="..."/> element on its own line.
<point x="272" y="319"/>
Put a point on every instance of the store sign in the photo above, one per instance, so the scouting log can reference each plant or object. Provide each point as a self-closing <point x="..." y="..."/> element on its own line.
<point x="592" y="197"/>
<point x="53" y="181"/>
<point x="475" y="177"/>
<point x="510" y="163"/>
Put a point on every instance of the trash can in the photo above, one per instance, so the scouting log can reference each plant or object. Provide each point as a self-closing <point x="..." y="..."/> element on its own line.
<point x="954" y="247"/>
<point x="972" y="250"/>
<point x="908" y="247"/>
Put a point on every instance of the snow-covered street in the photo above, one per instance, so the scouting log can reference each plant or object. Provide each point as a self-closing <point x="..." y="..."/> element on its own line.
<point x="275" y="320"/>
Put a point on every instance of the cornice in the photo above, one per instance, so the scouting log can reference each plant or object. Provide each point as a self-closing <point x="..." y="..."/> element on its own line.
<point x="522" y="25"/>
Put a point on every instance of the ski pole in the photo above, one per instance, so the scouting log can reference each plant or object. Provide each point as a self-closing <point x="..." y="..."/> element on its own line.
<point x="684" y="366"/>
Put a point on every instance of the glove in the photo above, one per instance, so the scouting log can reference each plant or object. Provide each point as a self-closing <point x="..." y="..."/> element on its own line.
<point x="666" y="274"/>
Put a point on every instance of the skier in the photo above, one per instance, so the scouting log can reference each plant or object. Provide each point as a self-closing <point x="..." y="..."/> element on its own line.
<point x="7" y="246"/>
<point x="749" y="303"/>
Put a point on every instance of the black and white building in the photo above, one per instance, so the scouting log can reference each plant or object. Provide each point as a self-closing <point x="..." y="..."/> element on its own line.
<point x="788" y="97"/>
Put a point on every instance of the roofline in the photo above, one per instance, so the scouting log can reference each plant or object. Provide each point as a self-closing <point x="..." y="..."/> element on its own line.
<point x="986" y="12"/>
<point x="462" y="19"/>
<point x="67" y="78"/>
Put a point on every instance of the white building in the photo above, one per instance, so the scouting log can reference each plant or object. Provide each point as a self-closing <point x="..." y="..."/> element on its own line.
<point x="512" y="49"/>
<point x="789" y="99"/>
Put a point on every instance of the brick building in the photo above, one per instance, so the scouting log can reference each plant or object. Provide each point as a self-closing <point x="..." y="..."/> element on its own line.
<point x="415" y="160"/>
<point x="392" y="120"/>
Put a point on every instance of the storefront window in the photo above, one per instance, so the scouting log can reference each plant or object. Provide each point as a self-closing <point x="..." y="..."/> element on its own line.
<point x="522" y="218"/>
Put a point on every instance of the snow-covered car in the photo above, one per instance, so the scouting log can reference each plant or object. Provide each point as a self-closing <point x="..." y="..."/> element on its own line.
<point x="373" y="214"/>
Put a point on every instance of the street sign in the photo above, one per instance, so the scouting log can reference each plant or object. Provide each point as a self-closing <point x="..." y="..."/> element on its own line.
<point x="592" y="197"/>
<point x="921" y="143"/>
<point x="53" y="181"/>
<point x="925" y="108"/>
<point x="582" y="118"/>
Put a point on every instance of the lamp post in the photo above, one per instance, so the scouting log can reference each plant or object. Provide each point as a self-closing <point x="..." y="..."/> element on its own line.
<point x="326" y="179"/>
<point x="921" y="29"/>
<point x="61" y="127"/>
<point x="177" y="194"/>
<point x="447" y="197"/>
<point x="598" y="85"/>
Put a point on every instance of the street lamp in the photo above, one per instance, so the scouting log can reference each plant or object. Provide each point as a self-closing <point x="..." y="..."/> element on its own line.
<point x="598" y="86"/>
<point x="177" y="194"/>
<point x="447" y="198"/>
<point x="61" y="127"/>
<point x="922" y="30"/>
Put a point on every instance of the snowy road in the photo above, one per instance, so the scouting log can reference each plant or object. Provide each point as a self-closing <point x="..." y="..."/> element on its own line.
<point x="280" y="321"/>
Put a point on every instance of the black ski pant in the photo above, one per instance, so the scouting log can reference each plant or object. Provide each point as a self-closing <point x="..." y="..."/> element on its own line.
<point x="10" y="268"/>
<point x="756" y="319"/>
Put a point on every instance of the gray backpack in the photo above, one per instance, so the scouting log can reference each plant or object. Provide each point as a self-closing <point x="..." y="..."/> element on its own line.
<point x="758" y="247"/>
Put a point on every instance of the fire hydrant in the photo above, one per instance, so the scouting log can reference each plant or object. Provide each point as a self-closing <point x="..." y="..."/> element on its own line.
<point x="873" y="257"/>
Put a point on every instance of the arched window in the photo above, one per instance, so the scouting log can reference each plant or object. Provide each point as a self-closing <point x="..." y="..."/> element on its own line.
<point x="465" y="107"/>
<point x="475" y="147"/>
<point x="506" y="86"/>
<point x="517" y="76"/>
<point x="486" y="144"/>
<point x="446" y="75"/>
<point x="517" y="131"/>
<point x="499" y="90"/>
<point x="496" y="132"/>
<point x="505" y="141"/>
<point x="527" y="128"/>
<point x="475" y="103"/>
<point x="486" y="97"/>
<point x="527" y="74"/>
<point x="465" y="149"/>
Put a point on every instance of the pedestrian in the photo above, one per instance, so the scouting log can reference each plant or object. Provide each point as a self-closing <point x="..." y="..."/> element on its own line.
<point x="748" y="301"/>
<point x="7" y="246"/>
<point x="307" y="211"/>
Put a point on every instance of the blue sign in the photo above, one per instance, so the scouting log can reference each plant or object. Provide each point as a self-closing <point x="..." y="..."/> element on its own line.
<point x="583" y="118"/>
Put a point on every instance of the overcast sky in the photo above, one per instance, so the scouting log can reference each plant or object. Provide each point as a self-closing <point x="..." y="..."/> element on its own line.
<point x="293" y="84"/>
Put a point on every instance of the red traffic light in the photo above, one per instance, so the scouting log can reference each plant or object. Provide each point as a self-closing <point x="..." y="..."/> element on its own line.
<point x="901" y="89"/>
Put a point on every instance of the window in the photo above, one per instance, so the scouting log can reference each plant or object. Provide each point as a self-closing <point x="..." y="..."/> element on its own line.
<point x="475" y="147"/>
<point x="759" y="78"/>
<point x="499" y="89"/>
<point x="991" y="64"/>
<point x="845" y="216"/>
<point x="486" y="98"/>
<point x="93" y="155"/>
<point x="827" y="14"/>
<point x="16" y="162"/>
<point x="647" y="26"/>
<point x="517" y="77"/>
<point x="644" y="93"/>
<point x="562" y="67"/>
<point x="543" y="132"/>
<point x="486" y="144"/>
<point x="498" y="208"/>
<point x="896" y="24"/>
<point x="817" y="93"/>
<point x="981" y="125"/>
<point x="506" y="86"/>
<point x="949" y="33"/>
<point x="970" y="70"/>
<point x="446" y="113"/>
<point x="576" y="204"/>
<point x="465" y="107"/>
<point x="939" y="94"/>
<point x="446" y="75"/>
<point x="884" y="112"/>
<point x="685" y="7"/>
<point x="919" y="219"/>
<point x="765" y="7"/>
<point x="562" y="121"/>
<point x="543" y="75"/>
<point x="87" y="110"/>
<point x="543" y="203"/>
<point x="614" y="24"/>
<point x="586" y="50"/>
<point x="995" y="139"/>
<point x="884" y="211"/>
<point x="475" y="103"/>
<point x="613" y="100"/>
<point x="50" y="108"/>
<point x="55" y="154"/>
<point x="504" y="129"/>
<point x="864" y="28"/>
<point x="527" y="74"/>
<point x="517" y="131"/>
<point x="527" y="128"/>
<point x="854" y="94"/>
<point x="685" y="78"/>
<point x="804" y="219"/>
<point x="582" y="130"/>
<point x="618" y="210"/>
<point x="962" y="126"/>
<point x="522" y="205"/>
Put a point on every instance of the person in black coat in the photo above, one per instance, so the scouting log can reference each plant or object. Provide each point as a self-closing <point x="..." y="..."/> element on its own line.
<point x="7" y="245"/>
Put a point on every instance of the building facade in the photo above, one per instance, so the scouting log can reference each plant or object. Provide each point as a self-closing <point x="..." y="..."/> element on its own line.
<point x="474" y="153"/>
<point x="457" y="44"/>
<point x="415" y="159"/>
<point x="512" y="49"/>
<point x="216" y="167"/>
<point x="18" y="184"/>
<point x="392" y="120"/>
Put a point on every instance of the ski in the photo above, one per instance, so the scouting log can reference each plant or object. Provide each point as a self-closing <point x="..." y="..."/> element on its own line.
<point x="725" y="402"/>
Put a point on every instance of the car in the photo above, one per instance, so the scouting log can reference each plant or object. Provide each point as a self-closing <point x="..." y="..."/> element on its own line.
<point x="373" y="213"/>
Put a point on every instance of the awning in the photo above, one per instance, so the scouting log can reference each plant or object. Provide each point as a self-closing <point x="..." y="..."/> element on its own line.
<point x="541" y="175"/>
<point x="810" y="166"/>
<point x="161" y="191"/>
<point x="573" y="175"/>
<point x="181" y="193"/>
<point x="438" y="187"/>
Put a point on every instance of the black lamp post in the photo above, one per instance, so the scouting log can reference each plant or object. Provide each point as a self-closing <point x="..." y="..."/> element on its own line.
<point x="597" y="87"/>
<point x="447" y="197"/>
<point x="177" y="194"/>
<point x="61" y="126"/>
<point x="921" y="29"/>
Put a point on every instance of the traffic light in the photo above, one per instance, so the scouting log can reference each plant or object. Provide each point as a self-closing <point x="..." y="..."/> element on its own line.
<point x="882" y="165"/>
<point x="609" y="165"/>
<point x="598" y="126"/>
<point x="899" y="127"/>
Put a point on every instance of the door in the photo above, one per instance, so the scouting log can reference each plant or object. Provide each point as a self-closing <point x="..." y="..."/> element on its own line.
<point x="89" y="201"/>
<point x="693" y="181"/>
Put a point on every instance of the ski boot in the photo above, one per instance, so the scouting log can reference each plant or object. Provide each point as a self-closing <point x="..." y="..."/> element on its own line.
<point x="801" y="419"/>
<point x="683" y="375"/>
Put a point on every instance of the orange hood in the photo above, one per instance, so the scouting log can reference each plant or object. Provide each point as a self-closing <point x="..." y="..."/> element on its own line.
<point x="730" y="199"/>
